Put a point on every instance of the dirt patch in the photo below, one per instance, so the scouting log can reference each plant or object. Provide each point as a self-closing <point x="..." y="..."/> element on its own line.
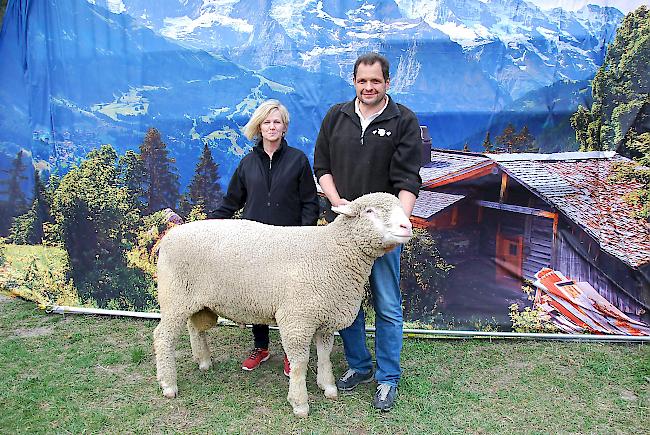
<point x="262" y="410"/>
<point x="4" y="298"/>
<point x="33" y="332"/>
<point x="628" y="395"/>
<point x="126" y="372"/>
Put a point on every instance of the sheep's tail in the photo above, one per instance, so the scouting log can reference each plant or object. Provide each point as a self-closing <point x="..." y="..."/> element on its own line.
<point x="156" y="247"/>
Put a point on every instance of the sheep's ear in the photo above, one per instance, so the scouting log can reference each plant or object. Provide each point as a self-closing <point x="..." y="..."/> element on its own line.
<point x="345" y="209"/>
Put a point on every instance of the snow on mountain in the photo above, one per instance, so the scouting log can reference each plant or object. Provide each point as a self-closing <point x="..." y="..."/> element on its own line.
<point x="179" y="27"/>
<point x="200" y="67"/>
<point x="539" y="46"/>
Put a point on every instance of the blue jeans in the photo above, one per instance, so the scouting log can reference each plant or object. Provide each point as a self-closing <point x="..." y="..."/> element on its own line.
<point x="387" y="301"/>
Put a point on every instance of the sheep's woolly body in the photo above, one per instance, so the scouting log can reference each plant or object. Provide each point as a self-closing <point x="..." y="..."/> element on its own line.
<point x="244" y="282"/>
<point x="307" y="280"/>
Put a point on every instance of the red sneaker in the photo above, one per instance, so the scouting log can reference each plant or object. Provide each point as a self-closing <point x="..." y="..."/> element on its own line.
<point x="287" y="366"/>
<point x="258" y="356"/>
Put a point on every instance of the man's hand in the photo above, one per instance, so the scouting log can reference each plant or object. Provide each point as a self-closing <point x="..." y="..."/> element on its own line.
<point x="329" y="189"/>
<point x="407" y="199"/>
<point x="341" y="201"/>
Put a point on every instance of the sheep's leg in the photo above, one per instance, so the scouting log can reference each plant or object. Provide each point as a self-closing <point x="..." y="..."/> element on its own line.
<point x="297" y="396"/>
<point x="199" y="343"/>
<point x="325" y="376"/>
<point x="297" y="350"/>
<point x="164" y="338"/>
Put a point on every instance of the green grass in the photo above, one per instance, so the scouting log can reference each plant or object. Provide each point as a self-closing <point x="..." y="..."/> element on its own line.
<point x="20" y="256"/>
<point x="97" y="374"/>
<point x="37" y="273"/>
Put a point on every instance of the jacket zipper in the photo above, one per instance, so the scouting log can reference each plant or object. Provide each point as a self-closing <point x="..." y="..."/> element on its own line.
<point x="268" y="203"/>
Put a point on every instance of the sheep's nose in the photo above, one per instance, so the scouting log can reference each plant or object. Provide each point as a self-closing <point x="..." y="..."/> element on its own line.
<point x="407" y="226"/>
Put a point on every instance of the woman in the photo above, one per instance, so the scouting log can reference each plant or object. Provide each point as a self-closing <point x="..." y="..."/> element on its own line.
<point x="275" y="185"/>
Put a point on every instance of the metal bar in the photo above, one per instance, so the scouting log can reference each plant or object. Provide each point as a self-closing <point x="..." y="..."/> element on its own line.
<point x="532" y="335"/>
<point x="63" y="309"/>
<point x="425" y="333"/>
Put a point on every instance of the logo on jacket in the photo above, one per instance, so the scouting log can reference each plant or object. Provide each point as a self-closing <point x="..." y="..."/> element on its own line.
<point x="382" y="132"/>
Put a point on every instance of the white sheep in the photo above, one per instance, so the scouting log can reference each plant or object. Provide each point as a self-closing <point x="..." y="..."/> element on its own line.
<point x="307" y="280"/>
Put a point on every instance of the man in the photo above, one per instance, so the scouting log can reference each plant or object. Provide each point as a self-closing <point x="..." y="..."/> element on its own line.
<point x="372" y="144"/>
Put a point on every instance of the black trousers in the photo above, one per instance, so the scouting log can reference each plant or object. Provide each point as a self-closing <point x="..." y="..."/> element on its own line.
<point x="261" y="336"/>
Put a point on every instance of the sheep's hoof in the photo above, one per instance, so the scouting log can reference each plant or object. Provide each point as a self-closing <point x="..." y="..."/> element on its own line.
<point x="170" y="392"/>
<point x="301" y="410"/>
<point x="205" y="365"/>
<point x="331" y="392"/>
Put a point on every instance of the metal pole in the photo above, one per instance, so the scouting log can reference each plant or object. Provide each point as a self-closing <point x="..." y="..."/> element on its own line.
<point x="423" y="333"/>
<point x="62" y="309"/>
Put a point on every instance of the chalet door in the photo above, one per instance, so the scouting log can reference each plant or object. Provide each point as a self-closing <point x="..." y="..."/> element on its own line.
<point x="509" y="257"/>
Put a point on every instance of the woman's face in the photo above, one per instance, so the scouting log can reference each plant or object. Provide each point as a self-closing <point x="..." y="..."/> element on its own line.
<point x="272" y="128"/>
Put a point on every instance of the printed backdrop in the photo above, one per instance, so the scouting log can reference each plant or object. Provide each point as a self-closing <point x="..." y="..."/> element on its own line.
<point x="77" y="74"/>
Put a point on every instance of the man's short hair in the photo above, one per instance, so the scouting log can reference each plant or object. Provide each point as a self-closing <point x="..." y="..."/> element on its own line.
<point x="370" y="59"/>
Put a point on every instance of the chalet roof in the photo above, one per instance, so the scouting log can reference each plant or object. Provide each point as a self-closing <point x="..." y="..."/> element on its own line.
<point x="449" y="163"/>
<point x="578" y="185"/>
<point x="430" y="203"/>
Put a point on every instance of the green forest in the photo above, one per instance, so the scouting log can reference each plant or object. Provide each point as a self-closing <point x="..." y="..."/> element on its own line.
<point x="106" y="214"/>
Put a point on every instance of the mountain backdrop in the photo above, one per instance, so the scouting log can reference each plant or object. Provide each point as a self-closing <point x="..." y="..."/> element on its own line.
<point x="81" y="73"/>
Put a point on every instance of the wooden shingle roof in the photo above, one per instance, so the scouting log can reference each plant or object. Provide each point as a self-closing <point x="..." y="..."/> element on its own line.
<point x="578" y="185"/>
<point x="447" y="165"/>
<point x="429" y="203"/>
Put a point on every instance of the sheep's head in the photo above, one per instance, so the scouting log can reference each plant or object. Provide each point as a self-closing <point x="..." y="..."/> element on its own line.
<point x="378" y="219"/>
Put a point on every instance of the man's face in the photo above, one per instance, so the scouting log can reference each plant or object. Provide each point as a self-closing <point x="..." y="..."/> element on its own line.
<point x="370" y="85"/>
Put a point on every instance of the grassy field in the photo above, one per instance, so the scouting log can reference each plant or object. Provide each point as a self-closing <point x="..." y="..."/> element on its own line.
<point x="97" y="374"/>
<point x="20" y="256"/>
<point x="36" y="273"/>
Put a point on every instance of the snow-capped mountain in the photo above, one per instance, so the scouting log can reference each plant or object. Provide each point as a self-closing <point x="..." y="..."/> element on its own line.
<point x="526" y="48"/>
<point x="103" y="71"/>
<point x="98" y="77"/>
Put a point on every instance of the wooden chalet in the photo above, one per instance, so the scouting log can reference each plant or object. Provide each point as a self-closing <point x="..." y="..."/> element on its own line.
<point x="500" y="218"/>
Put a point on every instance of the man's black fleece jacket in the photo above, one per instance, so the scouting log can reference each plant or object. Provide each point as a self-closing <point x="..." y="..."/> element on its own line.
<point x="385" y="159"/>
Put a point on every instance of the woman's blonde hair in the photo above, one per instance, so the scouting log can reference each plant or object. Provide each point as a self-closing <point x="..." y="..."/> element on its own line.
<point x="252" y="128"/>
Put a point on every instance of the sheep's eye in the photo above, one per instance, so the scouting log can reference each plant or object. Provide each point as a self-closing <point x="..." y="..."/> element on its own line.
<point x="369" y="211"/>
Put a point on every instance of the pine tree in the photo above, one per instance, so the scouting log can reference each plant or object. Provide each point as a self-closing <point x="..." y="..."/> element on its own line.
<point x="16" y="201"/>
<point x="16" y="197"/>
<point x="511" y="141"/>
<point x="161" y="186"/>
<point x="487" y="143"/>
<point x="466" y="147"/>
<point x="204" y="188"/>
<point x="41" y="208"/>
<point x="28" y="227"/>
<point x="507" y="139"/>
<point x="133" y="176"/>
<point x="524" y="141"/>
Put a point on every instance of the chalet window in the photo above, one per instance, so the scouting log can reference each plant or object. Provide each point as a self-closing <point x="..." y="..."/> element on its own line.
<point x="513" y="249"/>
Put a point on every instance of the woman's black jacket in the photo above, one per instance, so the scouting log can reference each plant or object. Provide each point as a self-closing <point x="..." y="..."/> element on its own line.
<point x="278" y="191"/>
